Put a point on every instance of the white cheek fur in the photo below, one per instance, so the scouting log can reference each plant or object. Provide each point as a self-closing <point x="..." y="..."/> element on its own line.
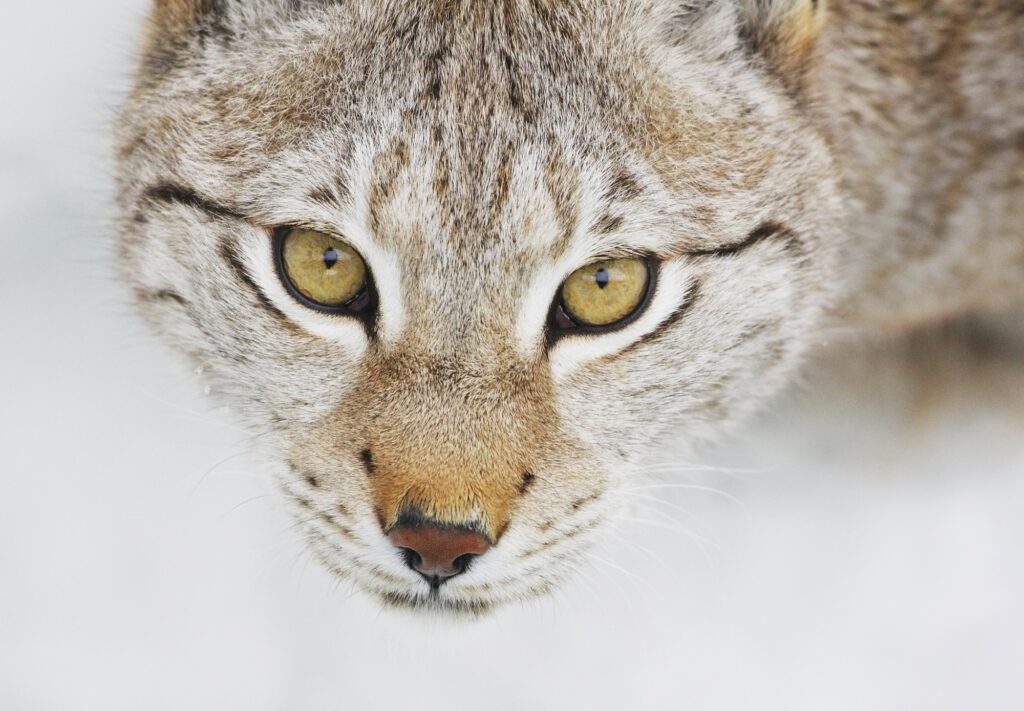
<point x="533" y="314"/>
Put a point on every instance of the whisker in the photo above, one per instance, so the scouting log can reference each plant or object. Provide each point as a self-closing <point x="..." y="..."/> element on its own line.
<point x="688" y="487"/>
<point x="676" y="528"/>
<point x="733" y="472"/>
<point x="615" y="566"/>
<point x="624" y="540"/>
<point x="225" y="460"/>
<point x="655" y="499"/>
<point x="250" y="500"/>
<point x="194" y="415"/>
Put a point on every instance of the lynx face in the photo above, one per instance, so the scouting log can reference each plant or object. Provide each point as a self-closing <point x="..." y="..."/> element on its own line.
<point x="468" y="263"/>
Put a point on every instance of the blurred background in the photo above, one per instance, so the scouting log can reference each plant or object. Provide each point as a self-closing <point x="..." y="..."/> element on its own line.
<point x="859" y="547"/>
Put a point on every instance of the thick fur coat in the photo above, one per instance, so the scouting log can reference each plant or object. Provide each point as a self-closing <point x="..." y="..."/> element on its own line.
<point x="796" y="169"/>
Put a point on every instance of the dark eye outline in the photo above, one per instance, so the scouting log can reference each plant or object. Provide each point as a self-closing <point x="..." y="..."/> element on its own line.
<point x="561" y="323"/>
<point x="362" y="306"/>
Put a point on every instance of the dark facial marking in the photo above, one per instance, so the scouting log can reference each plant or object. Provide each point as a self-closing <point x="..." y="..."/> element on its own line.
<point x="692" y="296"/>
<point x="367" y="456"/>
<point x="555" y="540"/>
<point x="623" y="187"/>
<point x="764" y="231"/>
<point x="325" y="196"/>
<point x="341" y="528"/>
<point x="563" y="188"/>
<point x="608" y="223"/>
<point x="228" y="254"/>
<point x="151" y="295"/>
<point x="176" y="194"/>
<point x="580" y="503"/>
<point x="526" y="482"/>
<point x="516" y="100"/>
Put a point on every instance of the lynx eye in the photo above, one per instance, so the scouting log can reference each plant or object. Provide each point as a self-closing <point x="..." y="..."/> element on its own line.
<point x="604" y="293"/>
<point x="322" y="270"/>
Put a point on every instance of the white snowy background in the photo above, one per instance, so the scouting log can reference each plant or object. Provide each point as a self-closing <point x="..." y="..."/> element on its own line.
<point x="861" y="548"/>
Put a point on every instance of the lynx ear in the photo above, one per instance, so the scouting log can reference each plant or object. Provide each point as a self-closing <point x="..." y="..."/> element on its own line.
<point x="176" y="17"/>
<point x="785" y="33"/>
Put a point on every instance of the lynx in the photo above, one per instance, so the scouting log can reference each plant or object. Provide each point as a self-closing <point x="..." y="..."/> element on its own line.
<point x="469" y="264"/>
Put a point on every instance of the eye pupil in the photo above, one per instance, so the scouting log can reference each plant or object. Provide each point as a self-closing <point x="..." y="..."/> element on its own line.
<point x="602" y="277"/>
<point x="330" y="257"/>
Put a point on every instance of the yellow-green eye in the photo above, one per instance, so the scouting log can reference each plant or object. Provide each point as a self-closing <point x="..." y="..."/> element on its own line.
<point x="322" y="268"/>
<point x="606" y="292"/>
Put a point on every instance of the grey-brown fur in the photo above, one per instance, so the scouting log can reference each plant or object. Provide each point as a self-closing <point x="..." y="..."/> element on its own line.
<point x="923" y="103"/>
<point x="796" y="167"/>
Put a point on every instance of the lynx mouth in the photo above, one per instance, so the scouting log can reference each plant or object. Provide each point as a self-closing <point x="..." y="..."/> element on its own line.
<point x="397" y="594"/>
<point x="434" y="602"/>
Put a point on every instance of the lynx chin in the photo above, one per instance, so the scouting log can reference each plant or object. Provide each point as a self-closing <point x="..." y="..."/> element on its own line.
<point x="469" y="264"/>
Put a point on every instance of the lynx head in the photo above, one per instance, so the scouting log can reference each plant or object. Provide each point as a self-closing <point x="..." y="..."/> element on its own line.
<point x="468" y="263"/>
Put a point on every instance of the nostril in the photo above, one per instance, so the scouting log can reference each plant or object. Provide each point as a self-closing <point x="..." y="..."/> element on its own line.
<point x="412" y="558"/>
<point x="437" y="552"/>
<point x="461" y="564"/>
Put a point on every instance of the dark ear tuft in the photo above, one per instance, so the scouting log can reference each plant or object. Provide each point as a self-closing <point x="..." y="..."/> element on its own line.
<point x="785" y="33"/>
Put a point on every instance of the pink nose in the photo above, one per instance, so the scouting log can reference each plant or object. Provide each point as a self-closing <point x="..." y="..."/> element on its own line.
<point x="438" y="552"/>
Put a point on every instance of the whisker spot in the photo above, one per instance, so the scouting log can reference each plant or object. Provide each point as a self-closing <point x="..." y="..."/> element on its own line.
<point x="367" y="457"/>
<point x="526" y="482"/>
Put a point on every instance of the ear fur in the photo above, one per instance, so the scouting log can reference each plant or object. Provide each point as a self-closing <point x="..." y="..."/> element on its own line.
<point x="173" y="18"/>
<point x="785" y="33"/>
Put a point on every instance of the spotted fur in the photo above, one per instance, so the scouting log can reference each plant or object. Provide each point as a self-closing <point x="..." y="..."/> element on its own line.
<point x="792" y="165"/>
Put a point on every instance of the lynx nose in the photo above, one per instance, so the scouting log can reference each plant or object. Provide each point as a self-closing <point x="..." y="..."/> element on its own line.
<point x="437" y="552"/>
